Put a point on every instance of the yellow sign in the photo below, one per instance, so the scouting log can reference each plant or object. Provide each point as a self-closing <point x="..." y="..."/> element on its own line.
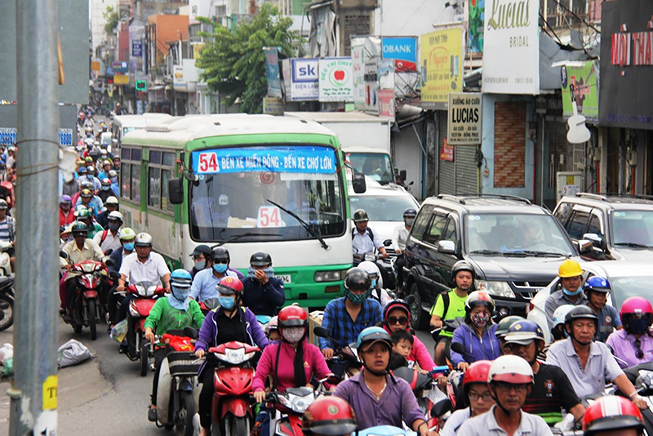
<point x="95" y="66"/>
<point x="441" y="57"/>
<point x="197" y="48"/>
<point x="50" y="386"/>
<point x="121" y="80"/>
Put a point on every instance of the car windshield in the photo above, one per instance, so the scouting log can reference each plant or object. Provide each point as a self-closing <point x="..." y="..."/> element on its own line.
<point x="631" y="286"/>
<point x="515" y="233"/>
<point x="232" y="200"/>
<point x="633" y="227"/>
<point x="383" y="208"/>
<point x="374" y="165"/>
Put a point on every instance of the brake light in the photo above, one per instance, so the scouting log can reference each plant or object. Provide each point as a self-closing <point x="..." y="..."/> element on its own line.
<point x="531" y="306"/>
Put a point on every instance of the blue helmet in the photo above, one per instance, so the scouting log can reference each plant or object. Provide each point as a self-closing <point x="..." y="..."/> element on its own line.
<point x="180" y="278"/>
<point x="373" y="334"/>
<point x="524" y="332"/>
<point x="597" y="284"/>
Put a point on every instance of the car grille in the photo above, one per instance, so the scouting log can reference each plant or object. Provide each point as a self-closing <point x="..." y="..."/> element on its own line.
<point x="528" y="289"/>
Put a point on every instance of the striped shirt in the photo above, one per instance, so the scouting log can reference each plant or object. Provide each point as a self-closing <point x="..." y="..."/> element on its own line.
<point x="7" y="231"/>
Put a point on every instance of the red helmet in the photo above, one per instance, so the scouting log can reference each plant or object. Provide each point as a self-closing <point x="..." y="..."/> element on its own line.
<point x="396" y="304"/>
<point x="329" y="416"/>
<point x="638" y="306"/>
<point x="612" y="413"/>
<point x="229" y="286"/>
<point x="476" y="373"/>
<point x="292" y="316"/>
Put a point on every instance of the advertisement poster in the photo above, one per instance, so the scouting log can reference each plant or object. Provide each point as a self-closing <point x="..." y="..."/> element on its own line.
<point x="304" y="80"/>
<point x="465" y="125"/>
<point x="386" y="99"/>
<point x="441" y="57"/>
<point x="447" y="151"/>
<point x="336" y="83"/>
<point x="272" y="72"/>
<point x="402" y="49"/>
<point x="583" y="79"/>
<point x="358" y="72"/>
<point x="371" y="88"/>
<point x="476" y="22"/>
<point x="511" y="48"/>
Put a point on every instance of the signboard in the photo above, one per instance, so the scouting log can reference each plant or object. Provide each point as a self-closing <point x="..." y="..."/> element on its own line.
<point x="441" y="57"/>
<point x="121" y="80"/>
<point x="272" y="106"/>
<point x="371" y="87"/>
<point x="386" y="99"/>
<point x="272" y="72"/>
<point x="358" y="73"/>
<point x="95" y="66"/>
<point x="177" y="75"/>
<point x="304" y="80"/>
<point x="121" y="67"/>
<point x="447" y="151"/>
<point x="464" y="126"/>
<point x="311" y="160"/>
<point x="137" y="48"/>
<point x="403" y="49"/>
<point x="197" y="49"/>
<point x="336" y="83"/>
<point x="476" y="23"/>
<point x="511" y="48"/>
<point x="583" y="79"/>
<point x="8" y="136"/>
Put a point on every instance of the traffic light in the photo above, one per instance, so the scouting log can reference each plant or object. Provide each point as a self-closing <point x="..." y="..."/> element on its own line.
<point x="141" y="85"/>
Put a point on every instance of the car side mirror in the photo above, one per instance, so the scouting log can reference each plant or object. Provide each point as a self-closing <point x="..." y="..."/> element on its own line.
<point x="402" y="175"/>
<point x="176" y="191"/>
<point x="358" y="183"/>
<point x="446" y="247"/>
<point x="584" y="246"/>
<point x="596" y="240"/>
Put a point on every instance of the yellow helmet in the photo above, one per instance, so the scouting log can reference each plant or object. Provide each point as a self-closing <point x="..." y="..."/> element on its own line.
<point x="569" y="268"/>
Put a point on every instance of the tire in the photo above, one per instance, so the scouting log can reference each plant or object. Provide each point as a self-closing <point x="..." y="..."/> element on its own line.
<point x="419" y="319"/>
<point x="185" y="415"/>
<point x="145" y="360"/>
<point x="7" y="310"/>
<point x="92" y="322"/>
<point x="240" y="425"/>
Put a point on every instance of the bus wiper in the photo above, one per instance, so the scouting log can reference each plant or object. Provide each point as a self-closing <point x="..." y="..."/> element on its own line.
<point x="303" y="223"/>
<point x="240" y="236"/>
<point x="632" y="245"/>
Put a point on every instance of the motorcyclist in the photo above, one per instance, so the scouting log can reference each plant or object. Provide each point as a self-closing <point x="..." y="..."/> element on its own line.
<point x="503" y="326"/>
<point x="111" y="205"/>
<point x="113" y="176"/>
<point x="329" y="416"/>
<point x="399" y="238"/>
<point x="510" y="381"/>
<point x="378" y="292"/>
<point x="86" y="216"/>
<point x="272" y="330"/>
<point x="451" y="305"/>
<point x="90" y="176"/>
<point x="106" y="167"/>
<point x="596" y="289"/>
<point x="229" y="322"/>
<point x="264" y="292"/>
<point x="173" y="313"/>
<point x="90" y="201"/>
<point x="110" y="239"/>
<point x="127" y="237"/>
<point x="66" y="215"/>
<point x="377" y="397"/>
<point x="571" y="275"/>
<point x="634" y="344"/>
<point x="365" y="241"/>
<point x="201" y="255"/>
<point x="205" y="282"/>
<point x="611" y="415"/>
<point x="477" y="333"/>
<point x="551" y="390"/>
<point x="105" y="190"/>
<point x="83" y="184"/>
<point x="589" y="364"/>
<point x="347" y="316"/>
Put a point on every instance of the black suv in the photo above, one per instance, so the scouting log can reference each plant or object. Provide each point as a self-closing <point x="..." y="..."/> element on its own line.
<point x="514" y="246"/>
<point x="620" y="227"/>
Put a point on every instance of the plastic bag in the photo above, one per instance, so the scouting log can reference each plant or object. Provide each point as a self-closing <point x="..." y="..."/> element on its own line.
<point x="72" y="353"/>
<point x="119" y="331"/>
<point x="8" y="370"/>
<point x="6" y="352"/>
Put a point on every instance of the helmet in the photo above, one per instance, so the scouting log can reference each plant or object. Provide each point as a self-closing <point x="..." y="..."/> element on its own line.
<point x="410" y="212"/>
<point x="272" y="325"/>
<point x="106" y="162"/>
<point x="87" y="185"/>
<point x="115" y="215"/>
<point x="597" y="284"/>
<point x="64" y="200"/>
<point x="223" y="200"/>
<point x="82" y="170"/>
<point x="329" y="416"/>
<point x="504" y="324"/>
<point x="636" y="306"/>
<point x="396" y="304"/>
<point x="112" y="174"/>
<point x="581" y="312"/>
<point x="201" y="249"/>
<point x="180" y="278"/>
<point x="143" y="240"/>
<point x="510" y="369"/>
<point x="524" y="332"/>
<point x="462" y="265"/>
<point x="260" y="258"/>
<point x="111" y="200"/>
<point x="357" y="278"/>
<point x="360" y="215"/>
<point x="83" y="213"/>
<point x="90" y="169"/>
<point x="229" y="286"/>
<point x="79" y="227"/>
<point x="370" y="268"/>
<point x="569" y="268"/>
<point x="106" y="182"/>
<point x="612" y="413"/>
<point x="220" y="253"/>
<point x="126" y="234"/>
<point x="476" y="373"/>
<point x="477" y="298"/>
<point x="372" y="335"/>
<point x="86" y="193"/>
<point x="560" y="314"/>
<point x="292" y="316"/>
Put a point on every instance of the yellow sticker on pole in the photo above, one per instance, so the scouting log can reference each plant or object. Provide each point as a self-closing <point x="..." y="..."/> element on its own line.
<point x="50" y="392"/>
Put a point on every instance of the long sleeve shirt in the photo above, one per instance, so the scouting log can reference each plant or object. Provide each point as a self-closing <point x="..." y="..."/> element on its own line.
<point x="264" y="299"/>
<point x="164" y="318"/>
<point x="340" y="325"/>
<point x="487" y="347"/>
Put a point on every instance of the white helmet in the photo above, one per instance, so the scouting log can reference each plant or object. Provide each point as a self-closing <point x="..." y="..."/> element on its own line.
<point x="143" y="240"/>
<point x="510" y="369"/>
<point x="560" y="314"/>
<point x="373" y="271"/>
<point x="115" y="215"/>
<point x="126" y="233"/>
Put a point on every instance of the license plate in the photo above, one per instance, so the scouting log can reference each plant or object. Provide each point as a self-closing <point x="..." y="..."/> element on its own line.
<point x="285" y="278"/>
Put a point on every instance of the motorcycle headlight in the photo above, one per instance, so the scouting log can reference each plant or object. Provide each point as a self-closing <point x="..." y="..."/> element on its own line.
<point x="300" y="404"/>
<point x="328" y="276"/>
<point x="235" y="357"/>
<point x="499" y="289"/>
<point x="88" y="267"/>
<point x="369" y="257"/>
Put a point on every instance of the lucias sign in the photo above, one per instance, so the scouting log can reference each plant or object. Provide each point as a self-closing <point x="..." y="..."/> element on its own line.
<point x="307" y="160"/>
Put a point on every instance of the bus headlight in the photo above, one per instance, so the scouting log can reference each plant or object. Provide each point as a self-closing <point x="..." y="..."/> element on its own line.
<point x="328" y="276"/>
<point x="499" y="289"/>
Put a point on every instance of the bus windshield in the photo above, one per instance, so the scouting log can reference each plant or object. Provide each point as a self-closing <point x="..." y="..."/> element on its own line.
<point x="233" y="199"/>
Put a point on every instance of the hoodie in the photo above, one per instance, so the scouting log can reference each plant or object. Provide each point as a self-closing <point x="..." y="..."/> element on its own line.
<point x="486" y="347"/>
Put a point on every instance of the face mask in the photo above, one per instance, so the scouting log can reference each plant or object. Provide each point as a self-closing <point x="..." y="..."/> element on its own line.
<point x="571" y="294"/>
<point x="114" y="180"/>
<point x="65" y="207"/>
<point x="480" y="319"/>
<point x="410" y="221"/>
<point x="251" y="272"/>
<point x="90" y="177"/>
<point x="220" y="268"/>
<point x="357" y="299"/>
<point x="114" y="226"/>
<point x="129" y="246"/>
<point x="106" y="188"/>
<point x="374" y="283"/>
<point x="293" y="334"/>
<point x="180" y="293"/>
<point x="200" y="265"/>
<point x="227" y="302"/>
<point x="637" y="326"/>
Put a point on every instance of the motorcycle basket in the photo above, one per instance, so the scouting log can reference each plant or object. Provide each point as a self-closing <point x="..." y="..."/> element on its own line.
<point x="183" y="364"/>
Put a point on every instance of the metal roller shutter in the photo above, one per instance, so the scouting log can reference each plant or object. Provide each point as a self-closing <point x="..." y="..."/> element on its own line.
<point x="446" y="169"/>
<point x="466" y="170"/>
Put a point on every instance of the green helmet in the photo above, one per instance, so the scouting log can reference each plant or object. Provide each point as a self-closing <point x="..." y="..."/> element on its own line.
<point x="79" y="227"/>
<point x="504" y="325"/>
<point x="360" y="215"/>
<point x="84" y="213"/>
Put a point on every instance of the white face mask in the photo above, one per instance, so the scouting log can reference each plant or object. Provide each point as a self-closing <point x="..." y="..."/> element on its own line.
<point x="293" y="334"/>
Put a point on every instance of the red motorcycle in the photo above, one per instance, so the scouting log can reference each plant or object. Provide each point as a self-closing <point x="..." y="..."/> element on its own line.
<point x="89" y="275"/>
<point x="144" y="296"/>
<point x="232" y="412"/>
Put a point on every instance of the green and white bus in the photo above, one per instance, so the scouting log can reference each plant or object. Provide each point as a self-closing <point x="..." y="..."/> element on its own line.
<point x="247" y="182"/>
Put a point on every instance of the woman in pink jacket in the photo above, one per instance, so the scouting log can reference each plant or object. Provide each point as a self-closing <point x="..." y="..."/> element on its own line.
<point x="396" y="316"/>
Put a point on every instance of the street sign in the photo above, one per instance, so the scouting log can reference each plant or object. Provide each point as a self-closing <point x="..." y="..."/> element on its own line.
<point x="137" y="48"/>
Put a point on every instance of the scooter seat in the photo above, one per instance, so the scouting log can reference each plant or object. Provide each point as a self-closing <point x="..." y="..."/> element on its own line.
<point x="6" y="281"/>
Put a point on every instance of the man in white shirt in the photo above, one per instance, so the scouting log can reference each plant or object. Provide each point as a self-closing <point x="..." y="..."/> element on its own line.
<point x="109" y="239"/>
<point x="399" y="238"/>
<point x="364" y="241"/>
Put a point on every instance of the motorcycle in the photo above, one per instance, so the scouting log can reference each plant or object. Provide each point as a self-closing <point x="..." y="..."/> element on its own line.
<point x="208" y="305"/>
<point x="6" y="302"/>
<point x="90" y="276"/>
<point x="345" y="363"/>
<point x="234" y="373"/>
<point x="427" y="394"/>
<point x="641" y="376"/>
<point x="145" y="294"/>
<point x="5" y="264"/>
<point x="292" y="404"/>
<point x="388" y="275"/>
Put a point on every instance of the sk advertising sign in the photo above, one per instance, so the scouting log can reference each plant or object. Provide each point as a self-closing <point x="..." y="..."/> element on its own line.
<point x="403" y="50"/>
<point x="304" y="80"/>
<point x="441" y="57"/>
<point x="583" y="79"/>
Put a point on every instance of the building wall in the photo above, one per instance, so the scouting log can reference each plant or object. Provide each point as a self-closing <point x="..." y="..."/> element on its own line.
<point x="413" y="17"/>
<point x="123" y="42"/>
<point x="97" y="21"/>
<point x="168" y="28"/>
<point x="407" y="155"/>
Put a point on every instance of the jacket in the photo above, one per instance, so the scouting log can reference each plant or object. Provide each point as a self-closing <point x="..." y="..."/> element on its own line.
<point x="485" y="348"/>
<point x="164" y="318"/>
<point x="264" y="299"/>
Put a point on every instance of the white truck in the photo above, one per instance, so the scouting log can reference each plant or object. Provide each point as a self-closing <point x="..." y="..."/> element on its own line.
<point x="365" y="140"/>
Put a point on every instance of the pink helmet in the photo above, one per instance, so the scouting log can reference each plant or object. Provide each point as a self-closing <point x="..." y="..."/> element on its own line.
<point x="637" y="306"/>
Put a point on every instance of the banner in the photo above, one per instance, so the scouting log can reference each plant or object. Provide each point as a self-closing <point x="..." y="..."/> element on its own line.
<point x="441" y="56"/>
<point x="336" y="83"/>
<point x="311" y="160"/>
<point x="511" y="47"/>
<point x="304" y="80"/>
<point x="137" y="48"/>
<point x="403" y="49"/>
<point x="386" y="103"/>
<point x="371" y="87"/>
<point x="272" y="71"/>
<point x="476" y="23"/>
<point x="358" y="72"/>
<point x="464" y="126"/>
<point x="584" y="81"/>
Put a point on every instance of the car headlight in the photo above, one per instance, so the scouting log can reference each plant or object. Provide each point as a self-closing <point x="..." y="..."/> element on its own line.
<point x="499" y="289"/>
<point x="328" y="276"/>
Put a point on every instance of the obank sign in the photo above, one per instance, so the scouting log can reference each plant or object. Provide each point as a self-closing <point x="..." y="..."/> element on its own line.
<point x="304" y="80"/>
<point x="403" y="49"/>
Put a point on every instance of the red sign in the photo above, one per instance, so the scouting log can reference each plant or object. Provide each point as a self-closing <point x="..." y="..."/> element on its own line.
<point x="386" y="98"/>
<point x="447" y="151"/>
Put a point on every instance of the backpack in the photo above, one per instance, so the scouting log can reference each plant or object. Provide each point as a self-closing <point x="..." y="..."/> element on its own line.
<point x="370" y="234"/>
<point x="104" y="236"/>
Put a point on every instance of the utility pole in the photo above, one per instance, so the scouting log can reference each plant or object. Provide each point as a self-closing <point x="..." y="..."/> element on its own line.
<point x="34" y="390"/>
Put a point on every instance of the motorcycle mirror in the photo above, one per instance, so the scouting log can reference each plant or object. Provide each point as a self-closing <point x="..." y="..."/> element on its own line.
<point x="387" y="242"/>
<point x="109" y="262"/>
<point x="63" y="254"/>
<point x="321" y="332"/>
<point x="108" y="252"/>
<point x="458" y="348"/>
<point x="441" y="407"/>
<point x="190" y="332"/>
<point x="115" y="275"/>
<point x="410" y="299"/>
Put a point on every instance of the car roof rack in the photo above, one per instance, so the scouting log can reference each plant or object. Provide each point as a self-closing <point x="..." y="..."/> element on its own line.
<point x="593" y="196"/>
<point x="461" y="200"/>
<point x="451" y="198"/>
<point x="604" y="196"/>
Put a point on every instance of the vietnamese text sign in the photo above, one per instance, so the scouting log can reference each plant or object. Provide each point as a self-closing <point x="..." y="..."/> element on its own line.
<point x="304" y="83"/>
<point x="441" y="58"/>
<point x="403" y="49"/>
<point x="447" y="151"/>
<point x="121" y="80"/>
<point x="137" y="48"/>
<point x="386" y="99"/>
<point x="511" y="49"/>
<point x="272" y="106"/>
<point x="464" y="126"/>
<point x="371" y="87"/>
<point x="583" y="80"/>
<point x="336" y="82"/>
<point x="272" y="72"/>
<point x="314" y="160"/>
<point x="358" y="73"/>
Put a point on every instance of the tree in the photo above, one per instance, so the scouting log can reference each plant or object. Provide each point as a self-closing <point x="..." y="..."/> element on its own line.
<point x="112" y="18"/>
<point x="234" y="62"/>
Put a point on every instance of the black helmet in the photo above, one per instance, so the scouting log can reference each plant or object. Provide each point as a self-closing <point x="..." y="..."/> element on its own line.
<point x="220" y="253"/>
<point x="360" y="215"/>
<point x="410" y="212"/>
<point x="581" y="312"/>
<point x="260" y="258"/>
<point x="462" y="265"/>
<point x="357" y="278"/>
<point x="79" y="227"/>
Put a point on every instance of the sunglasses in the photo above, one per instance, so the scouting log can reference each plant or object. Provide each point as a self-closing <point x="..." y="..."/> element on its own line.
<point x="638" y="349"/>
<point x="401" y="320"/>
<point x="220" y="260"/>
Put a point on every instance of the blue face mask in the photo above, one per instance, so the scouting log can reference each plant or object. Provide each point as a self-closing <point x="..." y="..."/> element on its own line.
<point x="220" y="268"/>
<point x="106" y="188"/>
<point x="374" y="283"/>
<point x="572" y="294"/>
<point x="227" y="302"/>
<point x="128" y="246"/>
<point x="200" y="265"/>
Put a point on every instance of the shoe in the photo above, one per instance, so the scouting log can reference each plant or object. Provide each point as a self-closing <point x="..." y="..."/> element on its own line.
<point x="151" y="414"/>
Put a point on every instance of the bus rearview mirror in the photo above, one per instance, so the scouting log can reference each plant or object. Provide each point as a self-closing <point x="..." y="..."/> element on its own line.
<point x="175" y="191"/>
<point x="358" y="183"/>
